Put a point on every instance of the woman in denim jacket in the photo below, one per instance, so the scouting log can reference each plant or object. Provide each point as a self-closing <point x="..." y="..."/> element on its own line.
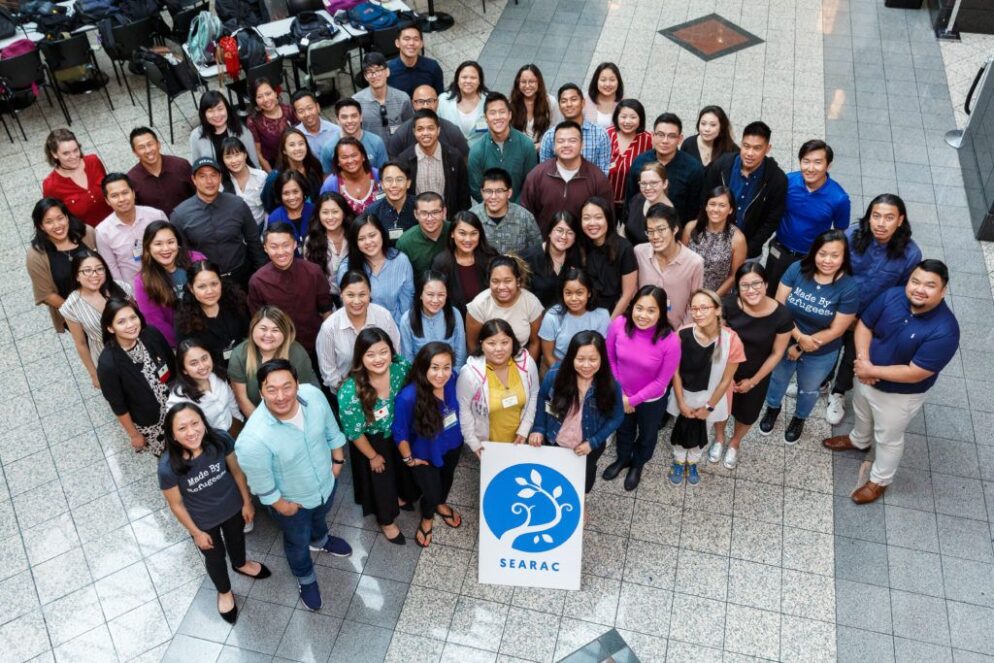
<point x="579" y="402"/>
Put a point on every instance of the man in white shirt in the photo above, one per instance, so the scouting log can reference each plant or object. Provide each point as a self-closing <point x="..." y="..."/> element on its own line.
<point x="119" y="236"/>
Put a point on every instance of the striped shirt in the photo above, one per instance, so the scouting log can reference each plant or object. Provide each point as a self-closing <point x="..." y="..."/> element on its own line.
<point x="621" y="164"/>
<point x="431" y="171"/>
<point x="77" y="309"/>
<point x="398" y="110"/>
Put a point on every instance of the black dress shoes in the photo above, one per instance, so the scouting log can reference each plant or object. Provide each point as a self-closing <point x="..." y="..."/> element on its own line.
<point x="633" y="477"/>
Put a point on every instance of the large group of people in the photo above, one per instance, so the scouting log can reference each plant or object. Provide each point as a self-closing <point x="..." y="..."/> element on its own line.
<point x="450" y="267"/>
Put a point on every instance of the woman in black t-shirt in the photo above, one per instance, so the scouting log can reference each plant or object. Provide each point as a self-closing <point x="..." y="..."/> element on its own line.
<point x="465" y="260"/>
<point x="763" y="325"/>
<point x="560" y="250"/>
<point x="212" y="310"/>
<point x="608" y="257"/>
<point x="206" y="491"/>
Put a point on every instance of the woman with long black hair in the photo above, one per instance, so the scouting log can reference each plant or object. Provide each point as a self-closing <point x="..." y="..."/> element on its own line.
<point x="389" y="272"/>
<point x="366" y="403"/>
<point x="327" y="244"/>
<point x="432" y="318"/>
<point x="580" y="403"/>
<point x="559" y="251"/>
<point x="215" y="504"/>
<point x="427" y="433"/>
<point x="607" y="256"/>
<point x="465" y="259"/>
<point x="213" y="311"/>
<point x="218" y="121"/>
<point x="199" y="380"/>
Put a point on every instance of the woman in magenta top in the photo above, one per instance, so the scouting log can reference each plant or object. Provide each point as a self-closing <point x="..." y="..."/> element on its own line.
<point x="75" y="178"/>
<point x="644" y="353"/>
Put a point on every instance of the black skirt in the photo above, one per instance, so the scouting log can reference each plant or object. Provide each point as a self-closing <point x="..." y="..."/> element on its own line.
<point x="689" y="433"/>
<point x="377" y="493"/>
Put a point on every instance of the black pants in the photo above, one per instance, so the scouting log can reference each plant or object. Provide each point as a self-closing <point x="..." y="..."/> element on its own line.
<point x="777" y="265"/>
<point x="436" y="482"/>
<point x="233" y="544"/>
<point x="844" y="372"/>
<point x="592" y="458"/>
<point x="377" y="492"/>
<point x="638" y="432"/>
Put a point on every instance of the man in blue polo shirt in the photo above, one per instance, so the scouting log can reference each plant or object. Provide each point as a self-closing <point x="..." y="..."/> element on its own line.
<point x="410" y="68"/>
<point x="903" y="339"/>
<point x="292" y="452"/>
<point x="815" y="203"/>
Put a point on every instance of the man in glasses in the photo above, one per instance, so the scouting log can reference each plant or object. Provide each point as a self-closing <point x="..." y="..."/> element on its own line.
<point x="684" y="173"/>
<point x="425" y="97"/>
<point x="509" y="227"/>
<point x="383" y="108"/>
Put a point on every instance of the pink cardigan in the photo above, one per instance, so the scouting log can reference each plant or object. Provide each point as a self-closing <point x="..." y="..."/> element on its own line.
<point x="642" y="368"/>
<point x="160" y="317"/>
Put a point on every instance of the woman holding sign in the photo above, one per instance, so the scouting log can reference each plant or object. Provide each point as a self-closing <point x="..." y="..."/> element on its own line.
<point x="426" y="430"/>
<point x="580" y="403"/>
<point x="497" y="388"/>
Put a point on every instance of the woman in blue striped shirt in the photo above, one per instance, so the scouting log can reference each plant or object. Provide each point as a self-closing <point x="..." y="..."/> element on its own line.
<point x="432" y="318"/>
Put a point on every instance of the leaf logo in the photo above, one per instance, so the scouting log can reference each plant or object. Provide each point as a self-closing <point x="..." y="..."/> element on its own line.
<point x="531" y="507"/>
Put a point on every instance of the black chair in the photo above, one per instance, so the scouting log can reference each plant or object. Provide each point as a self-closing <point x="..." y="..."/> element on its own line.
<point x="7" y="108"/>
<point x="326" y="57"/>
<point x="66" y="55"/>
<point x="383" y="41"/>
<point x="22" y="73"/>
<point x="127" y="38"/>
<point x="183" y="18"/>
<point x="155" y="76"/>
<point x="294" y="7"/>
<point x="271" y="71"/>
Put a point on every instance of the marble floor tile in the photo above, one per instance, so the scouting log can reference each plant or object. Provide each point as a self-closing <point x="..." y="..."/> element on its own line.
<point x="260" y="626"/>
<point x="477" y="623"/>
<point x="139" y="629"/>
<point x="752" y="632"/>
<point x="806" y="639"/>
<point x="428" y="612"/>
<point x="597" y="600"/>
<point x="72" y="615"/>
<point x="377" y="601"/>
<point x="309" y="637"/>
<point x="529" y="635"/>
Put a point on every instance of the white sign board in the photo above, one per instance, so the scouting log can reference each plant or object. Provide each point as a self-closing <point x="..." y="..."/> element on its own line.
<point x="531" y="516"/>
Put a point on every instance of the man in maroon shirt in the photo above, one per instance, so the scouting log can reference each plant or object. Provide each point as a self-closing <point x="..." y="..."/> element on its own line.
<point x="297" y="287"/>
<point x="160" y="180"/>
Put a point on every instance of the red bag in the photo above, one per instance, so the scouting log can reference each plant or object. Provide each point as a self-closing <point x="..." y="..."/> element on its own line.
<point x="228" y="49"/>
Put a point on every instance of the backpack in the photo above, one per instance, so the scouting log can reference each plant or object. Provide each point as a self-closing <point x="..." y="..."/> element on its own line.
<point x="52" y="19"/>
<point x="177" y="76"/>
<point x="310" y="27"/>
<point x="339" y="5"/>
<point x="17" y="48"/>
<point x="252" y="48"/>
<point x="96" y="10"/>
<point x="8" y="26"/>
<point x="205" y="30"/>
<point x="135" y="10"/>
<point x="370" y="17"/>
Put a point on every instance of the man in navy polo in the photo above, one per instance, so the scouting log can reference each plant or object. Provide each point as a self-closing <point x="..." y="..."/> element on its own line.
<point x="903" y="339"/>
<point x="814" y="203"/>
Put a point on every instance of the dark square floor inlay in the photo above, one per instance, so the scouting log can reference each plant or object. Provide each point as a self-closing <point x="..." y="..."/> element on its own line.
<point x="710" y="37"/>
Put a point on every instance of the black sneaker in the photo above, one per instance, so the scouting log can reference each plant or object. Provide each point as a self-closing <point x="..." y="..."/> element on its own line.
<point x="769" y="420"/>
<point x="794" y="430"/>
<point x="612" y="471"/>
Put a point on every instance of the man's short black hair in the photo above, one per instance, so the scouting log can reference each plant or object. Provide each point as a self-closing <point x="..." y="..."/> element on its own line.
<point x="141" y="131"/>
<point x="271" y="367"/>
<point x="423" y="113"/>
<point x="493" y="98"/>
<point x="413" y="25"/>
<point x="110" y="178"/>
<point x="303" y="93"/>
<point x="669" y="118"/>
<point x="758" y="128"/>
<point x="278" y="228"/>
<point x="567" y="124"/>
<point x="935" y="266"/>
<point x="345" y="103"/>
<point x="497" y="175"/>
<point x="814" y="146"/>
<point x="567" y="87"/>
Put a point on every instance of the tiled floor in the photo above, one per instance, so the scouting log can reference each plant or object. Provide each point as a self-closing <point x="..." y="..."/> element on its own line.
<point x="769" y="562"/>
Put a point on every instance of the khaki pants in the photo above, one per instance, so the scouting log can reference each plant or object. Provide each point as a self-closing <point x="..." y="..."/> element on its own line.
<point x="880" y="420"/>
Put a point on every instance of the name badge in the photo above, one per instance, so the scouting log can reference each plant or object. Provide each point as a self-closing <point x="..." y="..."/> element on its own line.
<point x="481" y="125"/>
<point x="163" y="373"/>
<point x="381" y="413"/>
<point x="380" y="196"/>
<point x="450" y="420"/>
<point x="395" y="233"/>
<point x="548" y="409"/>
<point x="136" y="250"/>
<point x="226" y="354"/>
<point x="775" y="252"/>
<point x="509" y="401"/>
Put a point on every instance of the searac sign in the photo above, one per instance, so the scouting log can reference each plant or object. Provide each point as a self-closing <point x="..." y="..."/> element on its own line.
<point x="531" y="516"/>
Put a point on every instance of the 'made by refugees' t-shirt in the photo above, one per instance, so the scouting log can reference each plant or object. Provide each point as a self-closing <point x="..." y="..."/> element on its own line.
<point x="209" y="492"/>
<point x="814" y="304"/>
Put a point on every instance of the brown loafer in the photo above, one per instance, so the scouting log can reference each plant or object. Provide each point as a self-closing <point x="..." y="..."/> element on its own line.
<point x="868" y="492"/>
<point x="838" y="443"/>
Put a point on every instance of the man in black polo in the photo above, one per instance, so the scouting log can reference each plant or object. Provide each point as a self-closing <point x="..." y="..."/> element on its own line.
<point x="684" y="173"/>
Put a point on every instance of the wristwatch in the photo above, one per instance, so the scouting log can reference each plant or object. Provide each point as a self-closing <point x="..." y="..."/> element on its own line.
<point x="337" y="462"/>
<point x="709" y="407"/>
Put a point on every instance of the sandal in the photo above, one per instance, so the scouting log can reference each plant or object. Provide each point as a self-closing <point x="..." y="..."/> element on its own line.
<point x="453" y="520"/>
<point x="423" y="536"/>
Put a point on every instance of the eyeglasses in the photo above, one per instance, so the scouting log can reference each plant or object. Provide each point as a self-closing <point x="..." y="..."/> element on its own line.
<point x="383" y="116"/>
<point x="424" y="102"/>
<point x="92" y="271"/>
<point x="490" y="193"/>
<point x="563" y="232"/>
<point x="376" y="71"/>
<point x="664" y="136"/>
<point x="758" y="285"/>
<point x="700" y="309"/>
<point x="431" y="213"/>
<point x="390" y="181"/>
<point x="650" y="185"/>
<point x="657" y="232"/>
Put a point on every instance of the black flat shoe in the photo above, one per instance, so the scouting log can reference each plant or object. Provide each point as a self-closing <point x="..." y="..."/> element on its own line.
<point x="612" y="471"/>
<point x="264" y="572"/>
<point x="231" y="616"/>
<point x="407" y="507"/>
<point x="398" y="540"/>
<point x="633" y="477"/>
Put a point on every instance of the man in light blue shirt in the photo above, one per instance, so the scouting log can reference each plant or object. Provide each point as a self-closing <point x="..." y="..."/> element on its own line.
<point x="317" y="130"/>
<point x="596" y="144"/>
<point x="349" y="115"/>
<point x="292" y="451"/>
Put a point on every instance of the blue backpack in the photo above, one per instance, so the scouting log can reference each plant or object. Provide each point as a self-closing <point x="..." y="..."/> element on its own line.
<point x="370" y="17"/>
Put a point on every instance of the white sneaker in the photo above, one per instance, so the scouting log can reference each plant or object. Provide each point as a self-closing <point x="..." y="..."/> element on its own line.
<point x="714" y="455"/>
<point x="731" y="458"/>
<point x="792" y="390"/>
<point x="836" y="409"/>
<point x="248" y="527"/>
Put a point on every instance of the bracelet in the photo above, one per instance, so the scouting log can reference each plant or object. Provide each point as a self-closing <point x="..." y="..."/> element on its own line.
<point x="338" y="462"/>
<point x="408" y="460"/>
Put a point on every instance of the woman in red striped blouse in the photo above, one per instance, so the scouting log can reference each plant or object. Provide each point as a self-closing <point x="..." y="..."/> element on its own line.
<point x="628" y="140"/>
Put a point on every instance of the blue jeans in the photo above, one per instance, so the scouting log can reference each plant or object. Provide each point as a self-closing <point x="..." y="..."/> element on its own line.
<point x="811" y="372"/>
<point x="305" y="528"/>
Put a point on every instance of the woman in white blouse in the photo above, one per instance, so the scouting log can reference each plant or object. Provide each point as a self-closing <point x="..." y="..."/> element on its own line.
<point x="326" y="244"/>
<point x="462" y="102"/>
<point x="84" y="306"/>
<point x="242" y="179"/>
<point x="198" y="382"/>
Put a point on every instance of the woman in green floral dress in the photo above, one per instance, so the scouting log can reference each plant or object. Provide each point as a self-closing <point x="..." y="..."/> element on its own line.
<point x="382" y="483"/>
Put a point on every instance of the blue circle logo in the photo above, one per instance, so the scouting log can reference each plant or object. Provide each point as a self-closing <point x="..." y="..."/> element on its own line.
<point x="532" y="507"/>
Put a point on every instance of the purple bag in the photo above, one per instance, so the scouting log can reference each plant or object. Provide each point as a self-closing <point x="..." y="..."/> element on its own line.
<point x="335" y="5"/>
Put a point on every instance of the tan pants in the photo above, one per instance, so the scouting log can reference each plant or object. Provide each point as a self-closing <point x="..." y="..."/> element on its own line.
<point x="880" y="420"/>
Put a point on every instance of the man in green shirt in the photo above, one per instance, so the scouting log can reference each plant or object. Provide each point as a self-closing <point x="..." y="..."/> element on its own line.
<point x="427" y="239"/>
<point x="503" y="147"/>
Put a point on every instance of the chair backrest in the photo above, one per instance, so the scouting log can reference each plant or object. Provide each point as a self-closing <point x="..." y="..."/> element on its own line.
<point x="272" y="71"/>
<point x="294" y="7"/>
<point x="66" y="53"/>
<point x="22" y="71"/>
<point x="130" y="36"/>
<point x="383" y="41"/>
<point x="183" y="18"/>
<point x="325" y="56"/>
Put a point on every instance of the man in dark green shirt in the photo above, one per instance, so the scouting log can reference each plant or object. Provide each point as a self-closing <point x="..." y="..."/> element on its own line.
<point x="503" y="147"/>
<point x="427" y="239"/>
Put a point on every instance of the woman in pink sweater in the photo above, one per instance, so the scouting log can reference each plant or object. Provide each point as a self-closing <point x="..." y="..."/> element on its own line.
<point x="644" y="354"/>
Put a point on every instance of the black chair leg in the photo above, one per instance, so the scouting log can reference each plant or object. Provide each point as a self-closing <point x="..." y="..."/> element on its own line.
<point x="127" y="85"/>
<point x="148" y="101"/>
<point x="169" y="106"/>
<point x="113" y="64"/>
<point x="6" y="128"/>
